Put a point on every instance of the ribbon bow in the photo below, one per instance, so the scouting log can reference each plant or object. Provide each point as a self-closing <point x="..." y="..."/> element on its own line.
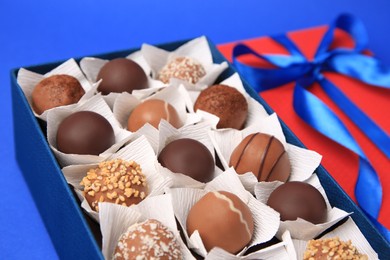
<point x="350" y="62"/>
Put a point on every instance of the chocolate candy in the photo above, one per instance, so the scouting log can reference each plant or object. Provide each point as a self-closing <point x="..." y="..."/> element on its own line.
<point x="55" y="91"/>
<point x="225" y="102"/>
<point x="121" y="75"/>
<point x="298" y="200"/>
<point x="332" y="248"/>
<point x="152" y="111"/>
<point x="222" y="220"/>
<point x="116" y="181"/>
<point x="148" y="240"/>
<point x="85" y="132"/>
<point x="264" y="156"/>
<point x="183" y="68"/>
<point x="189" y="157"/>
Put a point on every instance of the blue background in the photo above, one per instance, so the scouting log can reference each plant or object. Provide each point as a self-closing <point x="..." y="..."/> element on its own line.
<point x="34" y="32"/>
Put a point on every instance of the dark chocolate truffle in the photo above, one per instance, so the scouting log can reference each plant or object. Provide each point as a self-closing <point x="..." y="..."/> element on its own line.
<point x="121" y="75"/>
<point x="55" y="91"/>
<point x="222" y="220"/>
<point x="152" y="111"/>
<point x="148" y="240"/>
<point x="225" y="102"/>
<point x="85" y="132"/>
<point x="189" y="157"/>
<point x="298" y="200"/>
<point x="262" y="154"/>
<point x="116" y="181"/>
<point x="183" y="68"/>
<point x="332" y="248"/>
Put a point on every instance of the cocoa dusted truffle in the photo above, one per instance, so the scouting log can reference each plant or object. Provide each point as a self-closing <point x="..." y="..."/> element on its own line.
<point x="184" y="68"/>
<point x="55" y="91"/>
<point x="116" y="181"/>
<point x="225" y="102"/>
<point x="121" y="75"/>
<point x="152" y="111"/>
<point x="189" y="157"/>
<point x="222" y="220"/>
<point x="332" y="248"/>
<point x="264" y="155"/>
<point x="298" y="200"/>
<point x="148" y="240"/>
<point x="85" y="132"/>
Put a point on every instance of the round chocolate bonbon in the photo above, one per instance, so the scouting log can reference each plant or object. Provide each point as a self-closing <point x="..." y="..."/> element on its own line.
<point x="264" y="156"/>
<point x="225" y="102"/>
<point x="148" y="240"/>
<point x="85" y="132"/>
<point x="332" y="248"/>
<point x="184" y="68"/>
<point x="121" y="75"/>
<point x="116" y="181"/>
<point x="189" y="157"/>
<point x="152" y="111"/>
<point x="54" y="91"/>
<point x="298" y="200"/>
<point x="222" y="220"/>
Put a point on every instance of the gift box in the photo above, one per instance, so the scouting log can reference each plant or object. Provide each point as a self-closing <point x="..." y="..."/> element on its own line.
<point x="73" y="234"/>
<point x="342" y="163"/>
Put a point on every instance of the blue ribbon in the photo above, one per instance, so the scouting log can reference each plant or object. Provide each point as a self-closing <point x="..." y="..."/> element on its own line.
<point x="349" y="62"/>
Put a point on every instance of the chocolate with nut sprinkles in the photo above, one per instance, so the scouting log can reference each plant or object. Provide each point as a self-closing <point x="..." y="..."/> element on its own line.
<point x="184" y="68"/>
<point x="116" y="181"/>
<point x="148" y="240"/>
<point x="332" y="248"/>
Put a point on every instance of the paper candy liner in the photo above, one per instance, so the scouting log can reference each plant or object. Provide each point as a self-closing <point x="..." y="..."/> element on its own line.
<point x="116" y="219"/>
<point x="197" y="49"/>
<point x="125" y="103"/>
<point x="139" y="151"/>
<point x="198" y="132"/>
<point x="300" y="228"/>
<point x="281" y="251"/>
<point x="266" y="220"/>
<point x="27" y="80"/>
<point x="347" y="231"/>
<point x="97" y="105"/>
<point x="91" y="67"/>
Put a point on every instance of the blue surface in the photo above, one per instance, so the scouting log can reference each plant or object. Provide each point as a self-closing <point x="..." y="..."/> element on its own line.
<point x="34" y="32"/>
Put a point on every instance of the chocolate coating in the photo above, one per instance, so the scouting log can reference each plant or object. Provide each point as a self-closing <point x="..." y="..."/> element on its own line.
<point x="152" y="111"/>
<point x="332" y="248"/>
<point x="184" y="68"/>
<point x="264" y="155"/>
<point x="189" y="157"/>
<point x="298" y="200"/>
<point x="116" y="181"/>
<point x="148" y="240"/>
<point x="85" y="132"/>
<point x="225" y="102"/>
<point x="222" y="220"/>
<point x="121" y="75"/>
<point x="55" y="91"/>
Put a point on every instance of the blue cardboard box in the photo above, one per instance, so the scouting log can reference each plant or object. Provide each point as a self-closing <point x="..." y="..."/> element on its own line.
<point x="72" y="233"/>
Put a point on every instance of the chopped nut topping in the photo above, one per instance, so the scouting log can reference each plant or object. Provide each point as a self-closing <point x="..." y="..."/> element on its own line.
<point x="114" y="181"/>
<point x="332" y="248"/>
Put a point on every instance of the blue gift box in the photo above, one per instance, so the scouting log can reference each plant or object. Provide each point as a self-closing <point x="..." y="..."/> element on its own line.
<point x="72" y="233"/>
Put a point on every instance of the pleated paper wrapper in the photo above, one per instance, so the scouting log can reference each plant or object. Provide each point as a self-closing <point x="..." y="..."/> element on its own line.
<point x="139" y="151"/>
<point x="266" y="220"/>
<point x="116" y="219"/>
<point x="27" y="80"/>
<point x="300" y="228"/>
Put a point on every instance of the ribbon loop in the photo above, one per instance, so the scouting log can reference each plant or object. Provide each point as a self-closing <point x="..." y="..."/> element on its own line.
<point x="349" y="62"/>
